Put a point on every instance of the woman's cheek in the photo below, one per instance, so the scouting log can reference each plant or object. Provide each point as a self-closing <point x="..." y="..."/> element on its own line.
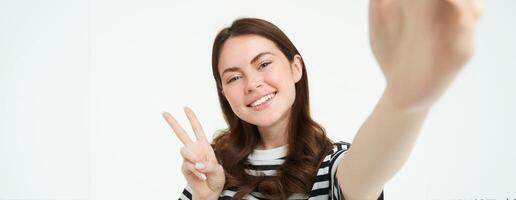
<point x="274" y="77"/>
<point x="234" y="98"/>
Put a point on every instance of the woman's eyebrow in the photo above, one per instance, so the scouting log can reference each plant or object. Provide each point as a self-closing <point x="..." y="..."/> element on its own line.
<point x="232" y="69"/>
<point x="259" y="55"/>
<point x="229" y="69"/>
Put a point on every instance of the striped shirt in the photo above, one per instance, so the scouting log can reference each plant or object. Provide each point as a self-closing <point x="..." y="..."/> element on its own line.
<point x="264" y="163"/>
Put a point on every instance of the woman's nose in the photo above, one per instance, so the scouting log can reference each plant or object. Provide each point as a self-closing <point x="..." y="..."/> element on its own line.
<point x="253" y="84"/>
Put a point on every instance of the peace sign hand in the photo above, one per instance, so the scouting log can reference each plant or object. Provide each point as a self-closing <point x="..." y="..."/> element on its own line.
<point x="200" y="167"/>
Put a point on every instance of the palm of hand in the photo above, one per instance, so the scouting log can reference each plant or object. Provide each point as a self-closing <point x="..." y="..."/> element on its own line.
<point x="205" y="154"/>
<point x="421" y="44"/>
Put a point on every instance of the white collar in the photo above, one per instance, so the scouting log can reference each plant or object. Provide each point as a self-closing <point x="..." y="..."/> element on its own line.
<point x="269" y="154"/>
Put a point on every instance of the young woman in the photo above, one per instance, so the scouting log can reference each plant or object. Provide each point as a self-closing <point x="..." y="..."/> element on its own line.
<point x="272" y="149"/>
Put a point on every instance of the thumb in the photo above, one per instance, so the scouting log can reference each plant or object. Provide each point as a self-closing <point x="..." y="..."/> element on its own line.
<point x="215" y="174"/>
<point x="209" y="168"/>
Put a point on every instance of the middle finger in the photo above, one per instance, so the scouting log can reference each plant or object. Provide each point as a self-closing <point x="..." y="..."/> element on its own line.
<point x="196" y="125"/>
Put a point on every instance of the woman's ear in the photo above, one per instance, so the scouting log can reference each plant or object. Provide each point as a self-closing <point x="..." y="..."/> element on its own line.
<point x="297" y="68"/>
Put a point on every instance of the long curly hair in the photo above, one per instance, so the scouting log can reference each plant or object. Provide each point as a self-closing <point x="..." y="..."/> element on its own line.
<point x="307" y="142"/>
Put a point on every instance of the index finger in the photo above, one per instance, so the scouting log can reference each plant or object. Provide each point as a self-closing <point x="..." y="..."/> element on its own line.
<point x="178" y="130"/>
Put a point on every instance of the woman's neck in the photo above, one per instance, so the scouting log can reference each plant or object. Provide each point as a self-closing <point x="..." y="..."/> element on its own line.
<point x="275" y="135"/>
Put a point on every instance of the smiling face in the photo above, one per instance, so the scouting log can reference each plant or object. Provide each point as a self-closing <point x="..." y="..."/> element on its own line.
<point x="258" y="80"/>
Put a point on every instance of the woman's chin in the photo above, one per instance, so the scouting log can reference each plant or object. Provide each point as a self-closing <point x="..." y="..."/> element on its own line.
<point x="261" y="122"/>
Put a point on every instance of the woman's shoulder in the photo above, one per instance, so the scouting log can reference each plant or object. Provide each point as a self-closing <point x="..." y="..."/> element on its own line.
<point x="334" y="153"/>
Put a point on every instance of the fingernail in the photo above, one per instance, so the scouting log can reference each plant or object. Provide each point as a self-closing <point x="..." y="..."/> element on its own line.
<point x="200" y="176"/>
<point x="199" y="166"/>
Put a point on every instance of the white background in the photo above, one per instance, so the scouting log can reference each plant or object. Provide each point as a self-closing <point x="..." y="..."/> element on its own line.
<point x="83" y="84"/>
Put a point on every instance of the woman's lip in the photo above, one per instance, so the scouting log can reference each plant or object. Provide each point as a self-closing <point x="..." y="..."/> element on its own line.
<point x="249" y="105"/>
<point x="264" y="105"/>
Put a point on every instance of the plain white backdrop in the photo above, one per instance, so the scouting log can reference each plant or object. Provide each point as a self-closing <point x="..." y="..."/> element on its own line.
<point x="83" y="84"/>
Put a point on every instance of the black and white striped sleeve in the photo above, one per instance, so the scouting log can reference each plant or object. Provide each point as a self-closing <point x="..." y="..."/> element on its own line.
<point x="339" y="151"/>
<point x="186" y="194"/>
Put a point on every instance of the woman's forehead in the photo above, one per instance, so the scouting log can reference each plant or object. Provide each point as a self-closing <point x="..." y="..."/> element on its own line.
<point x="241" y="50"/>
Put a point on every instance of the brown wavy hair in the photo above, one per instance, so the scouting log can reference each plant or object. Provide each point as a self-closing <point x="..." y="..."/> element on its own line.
<point x="307" y="142"/>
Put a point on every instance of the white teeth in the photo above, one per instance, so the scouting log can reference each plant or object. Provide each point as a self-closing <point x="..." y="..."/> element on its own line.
<point x="263" y="99"/>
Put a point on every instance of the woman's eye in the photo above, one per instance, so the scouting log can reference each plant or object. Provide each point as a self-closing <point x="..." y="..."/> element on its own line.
<point x="234" y="78"/>
<point x="264" y="64"/>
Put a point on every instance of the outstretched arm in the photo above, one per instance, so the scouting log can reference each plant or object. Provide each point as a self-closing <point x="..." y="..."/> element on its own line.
<point x="420" y="46"/>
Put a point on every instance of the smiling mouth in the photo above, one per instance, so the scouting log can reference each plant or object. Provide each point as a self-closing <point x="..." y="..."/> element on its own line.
<point x="262" y="100"/>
